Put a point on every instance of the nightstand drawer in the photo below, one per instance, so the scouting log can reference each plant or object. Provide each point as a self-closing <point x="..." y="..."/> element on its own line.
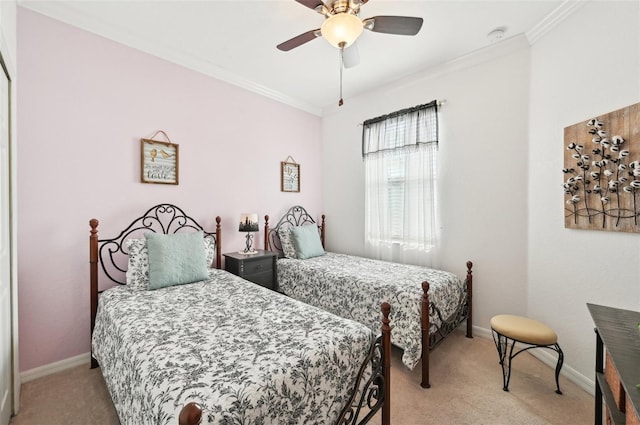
<point x="258" y="265"/>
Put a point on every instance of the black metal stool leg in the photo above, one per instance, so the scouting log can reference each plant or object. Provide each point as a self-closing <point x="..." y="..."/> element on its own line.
<point x="502" y="345"/>
<point x="559" y="366"/>
<point x="507" y="374"/>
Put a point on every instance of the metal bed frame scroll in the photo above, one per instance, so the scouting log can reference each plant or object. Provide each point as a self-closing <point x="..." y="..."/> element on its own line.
<point x="432" y="335"/>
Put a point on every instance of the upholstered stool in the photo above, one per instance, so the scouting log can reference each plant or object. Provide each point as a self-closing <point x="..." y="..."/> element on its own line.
<point x="508" y="329"/>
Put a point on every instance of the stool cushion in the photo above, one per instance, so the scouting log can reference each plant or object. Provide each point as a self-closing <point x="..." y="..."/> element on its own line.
<point x="524" y="329"/>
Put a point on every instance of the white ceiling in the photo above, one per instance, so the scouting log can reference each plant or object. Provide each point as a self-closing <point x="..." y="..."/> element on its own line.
<point x="235" y="40"/>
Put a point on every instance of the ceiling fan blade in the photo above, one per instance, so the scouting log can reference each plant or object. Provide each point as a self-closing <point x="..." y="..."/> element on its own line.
<point x="401" y="25"/>
<point x="311" y="4"/>
<point x="351" y="56"/>
<point x="299" y="40"/>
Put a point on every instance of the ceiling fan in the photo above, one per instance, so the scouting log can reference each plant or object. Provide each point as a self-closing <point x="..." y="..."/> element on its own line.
<point x="342" y="27"/>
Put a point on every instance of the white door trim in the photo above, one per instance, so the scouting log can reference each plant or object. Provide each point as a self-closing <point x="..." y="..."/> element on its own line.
<point x="8" y="62"/>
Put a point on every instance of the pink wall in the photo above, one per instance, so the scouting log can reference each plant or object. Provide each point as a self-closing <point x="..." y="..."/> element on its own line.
<point x="84" y="103"/>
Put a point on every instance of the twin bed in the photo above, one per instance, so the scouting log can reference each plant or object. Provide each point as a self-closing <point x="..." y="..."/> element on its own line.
<point x="427" y="304"/>
<point x="221" y="349"/>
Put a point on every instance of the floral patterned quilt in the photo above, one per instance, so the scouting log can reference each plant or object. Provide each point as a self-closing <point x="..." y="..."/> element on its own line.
<point x="353" y="287"/>
<point x="248" y="355"/>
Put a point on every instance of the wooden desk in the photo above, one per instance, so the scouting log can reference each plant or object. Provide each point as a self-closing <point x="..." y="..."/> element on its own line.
<point x="617" y="332"/>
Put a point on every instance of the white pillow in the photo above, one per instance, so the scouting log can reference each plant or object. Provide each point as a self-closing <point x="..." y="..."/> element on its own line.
<point x="138" y="269"/>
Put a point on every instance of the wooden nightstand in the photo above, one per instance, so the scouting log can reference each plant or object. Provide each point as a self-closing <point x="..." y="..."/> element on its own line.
<point x="259" y="268"/>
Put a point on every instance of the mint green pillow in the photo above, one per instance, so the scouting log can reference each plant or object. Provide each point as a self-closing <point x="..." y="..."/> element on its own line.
<point x="306" y="241"/>
<point x="176" y="259"/>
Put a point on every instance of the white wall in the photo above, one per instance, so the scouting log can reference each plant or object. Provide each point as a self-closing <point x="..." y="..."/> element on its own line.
<point x="501" y="161"/>
<point x="587" y="66"/>
<point x="483" y="168"/>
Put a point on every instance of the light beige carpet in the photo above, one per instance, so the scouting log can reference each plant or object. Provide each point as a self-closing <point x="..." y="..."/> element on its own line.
<point x="466" y="389"/>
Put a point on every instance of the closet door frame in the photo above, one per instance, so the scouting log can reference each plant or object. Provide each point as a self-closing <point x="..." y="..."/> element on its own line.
<point x="9" y="211"/>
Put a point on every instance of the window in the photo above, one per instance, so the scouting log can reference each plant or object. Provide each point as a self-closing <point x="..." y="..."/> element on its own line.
<point x="400" y="154"/>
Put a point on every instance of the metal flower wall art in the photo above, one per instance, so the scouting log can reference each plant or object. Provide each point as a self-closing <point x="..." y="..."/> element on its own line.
<point x="602" y="172"/>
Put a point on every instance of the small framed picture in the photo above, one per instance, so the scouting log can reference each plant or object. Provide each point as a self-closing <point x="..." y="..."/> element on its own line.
<point x="159" y="162"/>
<point x="289" y="177"/>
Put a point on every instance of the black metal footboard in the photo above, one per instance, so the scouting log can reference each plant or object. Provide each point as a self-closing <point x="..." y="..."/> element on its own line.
<point x="373" y="385"/>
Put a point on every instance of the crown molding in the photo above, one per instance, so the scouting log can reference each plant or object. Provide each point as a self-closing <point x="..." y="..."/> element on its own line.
<point x="553" y="19"/>
<point x="65" y="13"/>
<point x="485" y="54"/>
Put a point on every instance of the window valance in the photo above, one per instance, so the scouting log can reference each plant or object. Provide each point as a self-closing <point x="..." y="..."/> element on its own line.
<point x="400" y="129"/>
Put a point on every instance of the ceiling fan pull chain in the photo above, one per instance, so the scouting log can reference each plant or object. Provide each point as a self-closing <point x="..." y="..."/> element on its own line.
<point x="341" y="101"/>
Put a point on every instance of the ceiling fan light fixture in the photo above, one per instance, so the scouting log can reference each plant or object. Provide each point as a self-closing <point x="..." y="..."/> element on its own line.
<point x="341" y="28"/>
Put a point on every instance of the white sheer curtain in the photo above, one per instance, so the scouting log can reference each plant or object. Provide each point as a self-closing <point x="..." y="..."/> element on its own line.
<point x="400" y="155"/>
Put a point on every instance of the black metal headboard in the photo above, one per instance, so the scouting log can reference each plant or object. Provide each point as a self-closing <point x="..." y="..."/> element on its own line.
<point x="295" y="216"/>
<point x="112" y="253"/>
<point x="163" y="218"/>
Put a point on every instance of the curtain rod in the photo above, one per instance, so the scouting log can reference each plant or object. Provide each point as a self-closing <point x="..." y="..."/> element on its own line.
<point x="438" y="103"/>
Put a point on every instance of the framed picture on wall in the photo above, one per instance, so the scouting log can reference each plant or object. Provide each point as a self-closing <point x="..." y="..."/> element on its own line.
<point x="159" y="162"/>
<point x="289" y="177"/>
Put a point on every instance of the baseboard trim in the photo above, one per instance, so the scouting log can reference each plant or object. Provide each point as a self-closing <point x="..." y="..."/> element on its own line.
<point x="48" y="369"/>
<point x="550" y="360"/>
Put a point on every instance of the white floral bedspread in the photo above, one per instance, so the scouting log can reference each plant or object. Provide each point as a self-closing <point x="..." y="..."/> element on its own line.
<point x="353" y="287"/>
<point x="248" y="355"/>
